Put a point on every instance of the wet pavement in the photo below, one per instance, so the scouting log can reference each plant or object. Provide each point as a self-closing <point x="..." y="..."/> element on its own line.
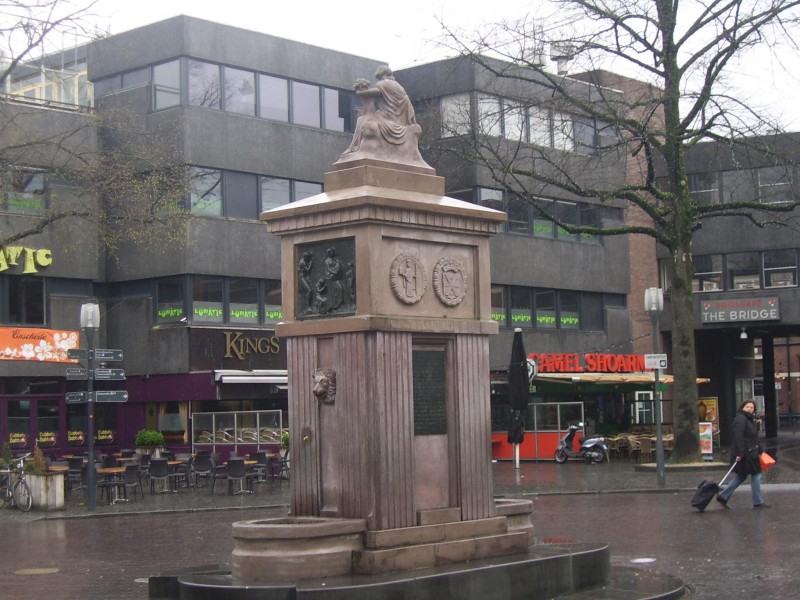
<point x="737" y="553"/>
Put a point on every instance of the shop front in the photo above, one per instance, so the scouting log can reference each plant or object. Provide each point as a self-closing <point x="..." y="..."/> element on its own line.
<point x="609" y="393"/>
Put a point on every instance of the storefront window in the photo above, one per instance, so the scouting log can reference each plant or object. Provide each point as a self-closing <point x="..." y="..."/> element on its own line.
<point x="207" y="299"/>
<point x="780" y="268"/>
<point x="499" y="304"/>
<point x="546" y="309"/>
<point x="76" y="425"/>
<point x="240" y="91"/>
<point x="243" y="303"/>
<point x="273" y="310"/>
<point x="567" y="213"/>
<point x="518" y="215"/>
<point x="542" y="226"/>
<point x="23" y="192"/>
<point x="105" y="419"/>
<point x="170" y="300"/>
<point x="47" y="423"/>
<point x="273" y="98"/>
<point x="521" y="308"/>
<point x="19" y="424"/>
<point x="305" y="104"/>
<point x="172" y="422"/>
<point x="204" y="84"/>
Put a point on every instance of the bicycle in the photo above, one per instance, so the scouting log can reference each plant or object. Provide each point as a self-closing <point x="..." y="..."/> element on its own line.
<point x="17" y="493"/>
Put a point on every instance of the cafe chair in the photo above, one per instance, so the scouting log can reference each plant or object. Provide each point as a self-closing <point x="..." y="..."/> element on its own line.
<point x="202" y="468"/>
<point x="131" y="480"/>
<point x="127" y="453"/>
<point x="237" y="473"/>
<point x="73" y="478"/>
<point x="109" y="460"/>
<point x="283" y="467"/>
<point x="159" y="471"/>
<point x="262" y="470"/>
<point x="646" y="449"/>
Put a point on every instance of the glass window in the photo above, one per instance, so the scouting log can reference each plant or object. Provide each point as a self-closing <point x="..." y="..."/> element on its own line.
<point x="592" y="312"/>
<point x="521" y="308"/>
<point x="739" y="186"/>
<point x="542" y="226"/>
<point x="455" y="115"/>
<point x="24" y="192"/>
<point x="306" y="189"/>
<point x="491" y="198"/>
<point x="780" y="268"/>
<point x="546" y="309"/>
<point x="775" y="185"/>
<point x="490" y="116"/>
<point x="707" y="273"/>
<point x="170" y="300"/>
<point x="76" y="425"/>
<point x="19" y="424"/>
<point x="26" y="301"/>
<point x="539" y="126"/>
<point x="207" y="299"/>
<point x="519" y="215"/>
<point x="499" y="304"/>
<point x="47" y="423"/>
<point x="241" y="195"/>
<point x="240" y="91"/>
<point x="206" y="192"/>
<point x="204" y="84"/>
<point x="514" y="117"/>
<point x="273" y="98"/>
<point x="338" y="107"/>
<point x="135" y="78"/>
<point x="105" y="414"/>
<point x="569" y="315"/>
<point x="563" y="132"/>
<point x="590" y="216"/>
<point x="305" y="104"/>
<point x="704" y="187"/>
<point x="584" y="135"/>
<point x="273" y="304"/>
<point x="567" y="213"/>
<point x="243" y="301"/>
<point x="167" y="85"/>
<point x="744" y="270"/>
<point x="107" y="85"/>
<point x="275" y="192"/>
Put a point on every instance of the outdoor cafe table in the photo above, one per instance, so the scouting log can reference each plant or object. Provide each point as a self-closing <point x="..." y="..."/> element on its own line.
<point x="109" y="473"/>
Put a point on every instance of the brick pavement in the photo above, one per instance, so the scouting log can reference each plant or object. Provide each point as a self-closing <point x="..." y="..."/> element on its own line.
<point x="110" y="553"/>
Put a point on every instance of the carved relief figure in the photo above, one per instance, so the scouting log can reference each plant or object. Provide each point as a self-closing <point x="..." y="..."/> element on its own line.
<point x="333" y="273"/>
<point x="325" y="385"/>
<point x="304" y="285"/>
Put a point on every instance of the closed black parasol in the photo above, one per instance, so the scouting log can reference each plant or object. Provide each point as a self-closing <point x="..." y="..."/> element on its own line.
<point x="518" y="389"/>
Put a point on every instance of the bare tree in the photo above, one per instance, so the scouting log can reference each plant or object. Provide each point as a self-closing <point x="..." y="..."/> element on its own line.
<point x="107" y="168"/>
<point x="679" y="57"/>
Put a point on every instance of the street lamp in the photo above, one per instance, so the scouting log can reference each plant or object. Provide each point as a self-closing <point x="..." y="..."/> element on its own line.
<point x="90" y="322"/>
<point x="654" y="305"/>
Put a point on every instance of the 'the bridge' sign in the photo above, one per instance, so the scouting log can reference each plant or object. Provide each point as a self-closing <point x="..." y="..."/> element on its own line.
<point x="740" y="309"/>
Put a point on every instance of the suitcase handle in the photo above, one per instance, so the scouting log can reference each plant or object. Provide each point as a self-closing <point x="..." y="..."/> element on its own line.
<point x="733" y="466"/>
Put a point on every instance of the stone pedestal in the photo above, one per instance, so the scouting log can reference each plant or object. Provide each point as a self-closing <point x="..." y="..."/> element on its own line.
<point x="405" y="328"/>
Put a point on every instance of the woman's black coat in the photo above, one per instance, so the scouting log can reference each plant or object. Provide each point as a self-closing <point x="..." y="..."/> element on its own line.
<point x="745" y="444"/>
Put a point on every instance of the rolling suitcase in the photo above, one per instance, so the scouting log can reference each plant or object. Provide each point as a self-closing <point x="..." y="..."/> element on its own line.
<point x="707" y="490"/>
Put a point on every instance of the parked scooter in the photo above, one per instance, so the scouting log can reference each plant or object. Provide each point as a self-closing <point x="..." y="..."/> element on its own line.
<point x="593" y="449"/>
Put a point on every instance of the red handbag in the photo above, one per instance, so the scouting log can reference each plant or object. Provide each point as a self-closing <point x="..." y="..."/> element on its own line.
<point x="766" y="461"/>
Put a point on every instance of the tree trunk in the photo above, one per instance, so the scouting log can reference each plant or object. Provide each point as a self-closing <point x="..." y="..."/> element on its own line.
<point x="684" y="402"/>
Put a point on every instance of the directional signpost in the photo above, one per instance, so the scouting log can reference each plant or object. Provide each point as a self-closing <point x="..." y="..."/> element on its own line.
<point x="77" y="397"/>
<point x="111" y="396"/>
<point x="90" y="374"/>
<point x="109" y="374"/>
<point x="105" y="355"/>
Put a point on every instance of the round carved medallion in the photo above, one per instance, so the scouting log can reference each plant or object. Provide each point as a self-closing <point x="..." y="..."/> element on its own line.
<point x="449" y="281"/>
<point x="407" y="277"/>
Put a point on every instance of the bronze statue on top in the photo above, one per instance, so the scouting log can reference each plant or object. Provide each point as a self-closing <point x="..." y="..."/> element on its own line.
<point x="387" y="128"/>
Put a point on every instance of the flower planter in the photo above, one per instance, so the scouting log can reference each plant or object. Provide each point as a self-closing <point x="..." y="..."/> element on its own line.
<point x="152" y="451"/>
<point x="47" y="490"/>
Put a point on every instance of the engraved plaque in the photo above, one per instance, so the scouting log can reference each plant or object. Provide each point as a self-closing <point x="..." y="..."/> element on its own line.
<point x="430" y="393"/>
<point x="449" y="281"/>
<point x="326" y="278"/>
<point x="407" y="277"/>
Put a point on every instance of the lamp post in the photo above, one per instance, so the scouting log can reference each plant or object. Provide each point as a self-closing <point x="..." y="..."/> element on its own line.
<point x="654" y="305"/>
<point x="90" y="322"/>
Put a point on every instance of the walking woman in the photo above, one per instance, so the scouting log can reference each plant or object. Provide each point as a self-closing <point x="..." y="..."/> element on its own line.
<point x="745" y="453"/>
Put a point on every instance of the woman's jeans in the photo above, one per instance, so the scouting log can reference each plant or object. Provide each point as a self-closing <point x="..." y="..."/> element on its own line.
<point x="755" y="488"/>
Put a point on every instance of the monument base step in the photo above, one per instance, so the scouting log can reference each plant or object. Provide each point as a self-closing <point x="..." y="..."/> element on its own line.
<point x="438" y="515"/>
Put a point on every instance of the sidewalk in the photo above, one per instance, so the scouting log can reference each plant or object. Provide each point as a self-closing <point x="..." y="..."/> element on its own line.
<point x="110" y="552"/>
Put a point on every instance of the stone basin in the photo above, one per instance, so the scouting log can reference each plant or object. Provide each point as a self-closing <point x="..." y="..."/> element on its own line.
<point x="294" y="548"/>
